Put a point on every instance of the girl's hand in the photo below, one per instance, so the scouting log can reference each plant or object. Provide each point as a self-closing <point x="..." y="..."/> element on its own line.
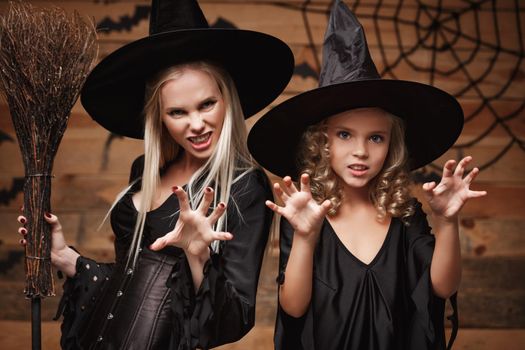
<point x="447" y="198"/>
<point x="193" y="231"/>
<point x="300" y="209"/>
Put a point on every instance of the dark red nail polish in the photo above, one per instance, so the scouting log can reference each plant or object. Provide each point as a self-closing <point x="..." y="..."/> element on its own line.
<point x="222" y="205"/>
<point x="23" y="221"/>
<point x="175" y="188"/>
<point x="22" y="241"/>
<point x="208" y="190"/>
<point x="48" y="215"/>
<point x="23" y="231"/>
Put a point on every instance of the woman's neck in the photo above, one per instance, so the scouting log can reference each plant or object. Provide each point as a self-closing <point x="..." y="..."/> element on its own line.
<point x="181" y="169"/>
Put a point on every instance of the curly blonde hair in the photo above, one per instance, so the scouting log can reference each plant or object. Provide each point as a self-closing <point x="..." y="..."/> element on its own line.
<point x="389" y="190"/>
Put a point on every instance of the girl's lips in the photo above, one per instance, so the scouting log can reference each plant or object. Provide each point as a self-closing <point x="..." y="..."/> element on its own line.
<point x="200" y="142"/>
<point x="358" y="169"/>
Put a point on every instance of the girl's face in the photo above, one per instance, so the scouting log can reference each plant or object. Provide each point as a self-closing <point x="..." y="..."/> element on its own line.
<point x="358" y="142"/>
<point x="192" y="109"/>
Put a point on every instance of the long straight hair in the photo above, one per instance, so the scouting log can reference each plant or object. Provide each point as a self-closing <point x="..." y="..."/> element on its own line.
<point x="229" y="161"/>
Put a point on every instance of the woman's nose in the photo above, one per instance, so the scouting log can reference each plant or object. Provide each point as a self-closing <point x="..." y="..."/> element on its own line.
<point x="197" y="122"/>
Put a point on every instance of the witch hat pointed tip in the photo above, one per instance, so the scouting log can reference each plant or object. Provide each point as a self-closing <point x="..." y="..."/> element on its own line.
<point x="345" y="50"/>
<point x="168" y="15"/>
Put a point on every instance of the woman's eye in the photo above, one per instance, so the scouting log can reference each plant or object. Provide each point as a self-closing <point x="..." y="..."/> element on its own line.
<point x="343" y="135"/>
<point x="377" y="138"/>
<point x="176" y="113"/>
<point x="208" y="104"/>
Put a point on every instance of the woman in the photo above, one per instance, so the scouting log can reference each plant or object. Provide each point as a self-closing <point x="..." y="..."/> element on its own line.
<point x="168" y="288"/>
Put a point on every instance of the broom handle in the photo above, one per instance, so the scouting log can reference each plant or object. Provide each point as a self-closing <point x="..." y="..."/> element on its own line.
<point x="36" y="332"/>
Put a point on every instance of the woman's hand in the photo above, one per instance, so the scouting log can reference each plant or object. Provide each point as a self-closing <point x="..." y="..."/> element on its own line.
<point x="448" y="197"/>
<point x="63" y="257"/>
<point x="194" y="231"/>
<point x="300" y="209"/>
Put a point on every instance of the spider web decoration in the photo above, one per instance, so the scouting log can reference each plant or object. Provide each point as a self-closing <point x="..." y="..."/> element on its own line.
<point x="468" y="56"/>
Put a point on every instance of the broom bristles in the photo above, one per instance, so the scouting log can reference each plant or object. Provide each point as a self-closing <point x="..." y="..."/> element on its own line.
<point x="45" y="56"/>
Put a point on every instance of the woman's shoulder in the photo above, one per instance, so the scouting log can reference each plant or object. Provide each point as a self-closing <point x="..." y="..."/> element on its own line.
<point x="137" y="167"/>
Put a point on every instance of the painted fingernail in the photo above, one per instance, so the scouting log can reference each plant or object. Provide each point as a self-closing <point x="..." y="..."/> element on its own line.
<point x="48" y="215"/>
<point x="22" y="241"/>
<point x="175" y="188"/>
<point x="208" y="190"/>
<point x="222" y="205"/>
<point x="23" y="231"/>
<point x="22" y="220"/>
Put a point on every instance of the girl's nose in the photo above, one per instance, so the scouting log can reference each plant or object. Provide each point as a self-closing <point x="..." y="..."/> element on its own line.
<point x="360" y="149"/>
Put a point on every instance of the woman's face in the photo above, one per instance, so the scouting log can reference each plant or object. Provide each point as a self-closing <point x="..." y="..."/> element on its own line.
<point x="192" y="109"/>
<point x="358" y="142"/>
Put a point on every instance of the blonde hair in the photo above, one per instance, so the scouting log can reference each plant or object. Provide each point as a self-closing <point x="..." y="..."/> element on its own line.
<point x="389" y="191"/>
<point x="229" y="161"/>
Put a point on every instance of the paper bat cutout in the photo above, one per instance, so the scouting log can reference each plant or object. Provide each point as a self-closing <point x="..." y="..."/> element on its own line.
<point x="5" y="137"/>
<point x="108" y="25"/>
<point x="304" y="70"/>
<point x="14" y="257"/>
<point x="7" y="195"/>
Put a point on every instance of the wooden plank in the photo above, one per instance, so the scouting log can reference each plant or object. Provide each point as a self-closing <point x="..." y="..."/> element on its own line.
<point x="247" y="15"/>
<point x="15" y="335"/>
<point x="492" y="237"/>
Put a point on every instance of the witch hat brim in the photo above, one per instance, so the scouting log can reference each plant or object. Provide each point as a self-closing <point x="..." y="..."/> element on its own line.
<point x="433" y="119"/>
<point x="259" y="64"/>
<point x="425" y="110"/>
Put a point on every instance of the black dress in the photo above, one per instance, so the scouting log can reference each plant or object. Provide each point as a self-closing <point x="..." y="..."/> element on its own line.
<point x="384" y="305"/>
<point x="156" y="306"/>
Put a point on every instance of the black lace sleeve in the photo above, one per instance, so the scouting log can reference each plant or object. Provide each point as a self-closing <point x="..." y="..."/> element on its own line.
<point x="223" y="308"/>
<point x="80" y="294"/>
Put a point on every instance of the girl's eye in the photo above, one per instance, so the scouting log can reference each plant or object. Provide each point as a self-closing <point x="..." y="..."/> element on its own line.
<point x="344" y="135"/>
<point x="377" y="138"/>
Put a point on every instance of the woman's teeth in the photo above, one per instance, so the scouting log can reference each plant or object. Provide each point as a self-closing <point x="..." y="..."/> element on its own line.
<point x="200" y="139"/>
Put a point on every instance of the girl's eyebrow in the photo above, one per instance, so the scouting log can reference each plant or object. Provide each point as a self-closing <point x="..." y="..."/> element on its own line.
<point x="340" y="127"/>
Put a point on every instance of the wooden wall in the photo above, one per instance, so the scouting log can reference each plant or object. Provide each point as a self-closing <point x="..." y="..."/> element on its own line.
<point x="92" y="165"/>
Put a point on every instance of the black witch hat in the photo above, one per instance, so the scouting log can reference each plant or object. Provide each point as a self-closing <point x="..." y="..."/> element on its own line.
<point x="259" y="64"/>
<point x="349" y="80"/>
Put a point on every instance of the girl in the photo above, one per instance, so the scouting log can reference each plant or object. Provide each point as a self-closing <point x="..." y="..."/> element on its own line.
<point x="359" y="267"/>
<point x="195" y="185"/>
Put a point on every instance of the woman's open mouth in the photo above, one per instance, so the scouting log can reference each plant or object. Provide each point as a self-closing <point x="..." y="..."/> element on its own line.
<point x="200" y="142"/>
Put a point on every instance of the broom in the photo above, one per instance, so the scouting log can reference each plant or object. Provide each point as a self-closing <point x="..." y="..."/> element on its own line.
<point x="45" y="56"/>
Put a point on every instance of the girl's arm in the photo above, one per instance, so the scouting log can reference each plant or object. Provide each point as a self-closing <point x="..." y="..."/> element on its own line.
<point x="306" y="218"/>
<point x="446" y="200"/>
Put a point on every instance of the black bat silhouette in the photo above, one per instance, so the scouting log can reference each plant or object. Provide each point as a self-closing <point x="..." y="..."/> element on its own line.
<point x="304" y="70"/>
<point x="13" y="257"/>
<point x="5" y="137"/>
<point x="108" y="25"/>
<point x="6" y="196"/>
<point x="223" y="23"/>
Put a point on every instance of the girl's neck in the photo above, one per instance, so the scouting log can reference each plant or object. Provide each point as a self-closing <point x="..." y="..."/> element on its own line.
<point x="355" y="197"/>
